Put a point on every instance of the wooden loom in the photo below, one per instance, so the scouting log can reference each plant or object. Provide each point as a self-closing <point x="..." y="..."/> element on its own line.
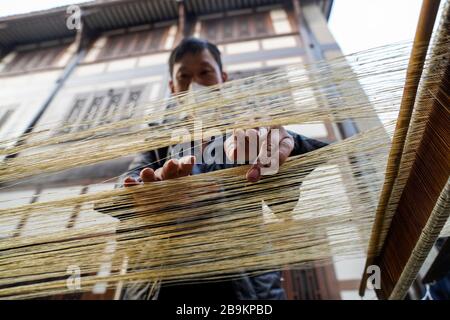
<point x="423" y="208"/>
<point x="414" y="228"/>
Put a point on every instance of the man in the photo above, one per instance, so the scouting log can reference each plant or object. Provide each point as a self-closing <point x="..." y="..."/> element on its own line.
<point x="199" y="61"/>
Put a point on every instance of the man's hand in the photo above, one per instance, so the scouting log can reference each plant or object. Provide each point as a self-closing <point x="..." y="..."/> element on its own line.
<point x="277" y="147"/>
<point x="171" y="169"/>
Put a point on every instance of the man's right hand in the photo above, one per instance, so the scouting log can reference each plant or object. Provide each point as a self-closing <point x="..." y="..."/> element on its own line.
<point x="170" y="170"/>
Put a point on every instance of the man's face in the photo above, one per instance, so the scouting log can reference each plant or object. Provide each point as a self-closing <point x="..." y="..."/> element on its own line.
<point x="200" y="68"/>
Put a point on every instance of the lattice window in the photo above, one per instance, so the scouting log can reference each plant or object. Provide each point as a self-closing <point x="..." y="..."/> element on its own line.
<point x="146" y="41"/>
<point x="228" y="26"/>
<point x="210" y="31"/>
<point x="35" y="59"/>
<point x="74" y="115"/>
<point x="102" y="107"/>
<point x="131" y="103"/>
<point x="244" y="28"/>
<point x="93" y="111"/>
<point x="7" y="125"/>
<point x="263" y="25"/>
<point x="156" y="40"/>
<point x="112" y="106"/>
<point x="238" y="27"/>
<point x="141" y="43"/>
<point x="5" y="115"/>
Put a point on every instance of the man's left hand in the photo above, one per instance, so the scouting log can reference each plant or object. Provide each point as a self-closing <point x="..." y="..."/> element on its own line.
<point x="273" y="143"/>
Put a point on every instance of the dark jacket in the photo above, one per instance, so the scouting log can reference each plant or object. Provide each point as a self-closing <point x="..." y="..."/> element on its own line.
<point x="262" y="286"/>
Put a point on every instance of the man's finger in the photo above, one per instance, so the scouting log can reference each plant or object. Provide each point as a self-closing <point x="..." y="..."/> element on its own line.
<point x="148" y="175"/>
<point x="285" y="148"/>
<point x="240" y="140"/>
<point x="170" y="169"/>
<point x="129" y="182"/>
<point x="230" y="148"/>
<point x="276" y="146"/>
<point x="251" y="144"/>
<point x="254" y="173"/>
<point x="159" y="174"/>
<point x="235" y="146"/>
<point x="265" y="158"/>
<point x="185" y="166"/>
<point x="263" y="132"/>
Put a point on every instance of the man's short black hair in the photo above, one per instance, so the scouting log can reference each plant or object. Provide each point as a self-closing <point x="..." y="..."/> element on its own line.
<point x="193" y="46"/>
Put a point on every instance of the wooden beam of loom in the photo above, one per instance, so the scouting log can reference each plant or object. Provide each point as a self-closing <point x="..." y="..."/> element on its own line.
<point x="418" y="55"/>
<point x="423" y="205"/>
<point x="421" y="251"/>
<point x="428" y="178"/>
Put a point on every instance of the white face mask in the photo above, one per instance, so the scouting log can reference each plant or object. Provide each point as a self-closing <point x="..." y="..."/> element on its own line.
<point x="190" y="100"/>
<point x="194" y="86"/>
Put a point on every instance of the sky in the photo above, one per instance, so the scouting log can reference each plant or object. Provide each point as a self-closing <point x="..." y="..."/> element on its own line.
<point x="362" y="24"/>
<point x="356" y="24"/>
<point x="10" y="7"/>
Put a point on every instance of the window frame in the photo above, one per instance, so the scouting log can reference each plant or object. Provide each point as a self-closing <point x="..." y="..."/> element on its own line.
<point x="128" y="44"/>
<point x="38" y="58"/>
<point x="216" y="27"/>
<point x="84" y="121"/>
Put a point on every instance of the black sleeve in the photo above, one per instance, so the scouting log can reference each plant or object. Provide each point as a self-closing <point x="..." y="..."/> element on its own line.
<point x="153" y="159"/>
<point x="150" y="159"/>
<point x="303" y="144"/>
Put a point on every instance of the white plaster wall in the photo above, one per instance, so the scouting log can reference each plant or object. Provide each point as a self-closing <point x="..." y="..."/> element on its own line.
<point x="64" y="99"/>
<point x="9" y="199"/>
<point x="27" y="92"/>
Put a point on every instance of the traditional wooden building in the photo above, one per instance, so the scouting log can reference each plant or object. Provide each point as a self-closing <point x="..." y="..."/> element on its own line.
<point x="116" y="61"/>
